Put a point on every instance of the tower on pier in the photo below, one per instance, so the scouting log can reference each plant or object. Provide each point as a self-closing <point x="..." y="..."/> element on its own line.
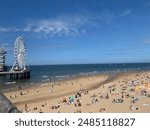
<point x="3" y="66"/>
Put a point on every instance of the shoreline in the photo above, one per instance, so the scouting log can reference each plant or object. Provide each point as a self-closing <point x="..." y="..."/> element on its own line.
<point x="57" y="83"/>
<point x="40" y="83"/>
<point x="91" y="88"/>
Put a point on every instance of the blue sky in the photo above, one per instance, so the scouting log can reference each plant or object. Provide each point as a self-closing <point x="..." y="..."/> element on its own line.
<point x="77" y="31"/>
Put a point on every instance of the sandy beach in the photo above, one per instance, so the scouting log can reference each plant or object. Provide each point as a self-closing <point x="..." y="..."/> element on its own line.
<point x="125" y="92"/>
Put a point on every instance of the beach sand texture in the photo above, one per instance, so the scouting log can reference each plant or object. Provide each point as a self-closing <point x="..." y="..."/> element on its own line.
<point x="125" y="92"/>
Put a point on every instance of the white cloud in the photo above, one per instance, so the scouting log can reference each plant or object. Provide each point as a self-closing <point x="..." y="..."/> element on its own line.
<point x="126" y="12"/>
<point x="2" y="29"/>
<point x="9" y="29"/>
<point x="62" y="25"/>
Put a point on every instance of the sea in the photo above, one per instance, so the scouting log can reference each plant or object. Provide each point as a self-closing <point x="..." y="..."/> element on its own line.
<point x="43" y="74"/>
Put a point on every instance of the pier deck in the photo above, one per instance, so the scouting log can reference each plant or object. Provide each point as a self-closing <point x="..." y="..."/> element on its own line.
<point x="16" y="74"/>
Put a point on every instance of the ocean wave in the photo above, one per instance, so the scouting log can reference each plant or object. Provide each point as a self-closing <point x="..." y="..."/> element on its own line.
<point x="45" y="76"/>
<point x="7" y="83"/>
<point x="62" y="76"/>
<point x="88" y="73"/>
<point x="44" y="84"/>
<point x="45" y="80"/>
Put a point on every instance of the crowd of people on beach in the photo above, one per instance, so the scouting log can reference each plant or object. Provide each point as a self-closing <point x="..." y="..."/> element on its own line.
<point x="126" y="89"/>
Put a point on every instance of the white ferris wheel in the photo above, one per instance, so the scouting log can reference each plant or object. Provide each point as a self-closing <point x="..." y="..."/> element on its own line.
<point x="20" y="55"/>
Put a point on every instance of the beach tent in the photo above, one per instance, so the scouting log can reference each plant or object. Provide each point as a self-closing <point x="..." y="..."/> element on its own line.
<point x="138" y="88"/>
<point x="71" y="99"/>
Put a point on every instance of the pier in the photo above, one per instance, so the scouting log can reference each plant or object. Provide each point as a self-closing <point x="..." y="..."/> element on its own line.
<point x="16" y="74"/>
<point x="19" y="69"/>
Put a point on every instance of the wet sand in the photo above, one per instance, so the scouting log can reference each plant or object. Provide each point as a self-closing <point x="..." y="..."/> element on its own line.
<point x="128" y="92"/>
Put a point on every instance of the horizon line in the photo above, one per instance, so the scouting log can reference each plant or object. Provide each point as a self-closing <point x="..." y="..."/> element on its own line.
<point x="90" y="63"/>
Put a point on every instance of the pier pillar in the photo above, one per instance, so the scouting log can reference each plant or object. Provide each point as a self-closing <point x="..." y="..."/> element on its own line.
<point x="10" y="76"/>
<point x="25" y="75"/>
<point x="22" y="76"/>
<point x="28" y="75"/>
<point x="17" y="76"/>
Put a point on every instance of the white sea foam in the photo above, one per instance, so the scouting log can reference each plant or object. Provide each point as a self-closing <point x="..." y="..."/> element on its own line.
<point x="45" y="80"/>
<point x="10" y="82"/>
